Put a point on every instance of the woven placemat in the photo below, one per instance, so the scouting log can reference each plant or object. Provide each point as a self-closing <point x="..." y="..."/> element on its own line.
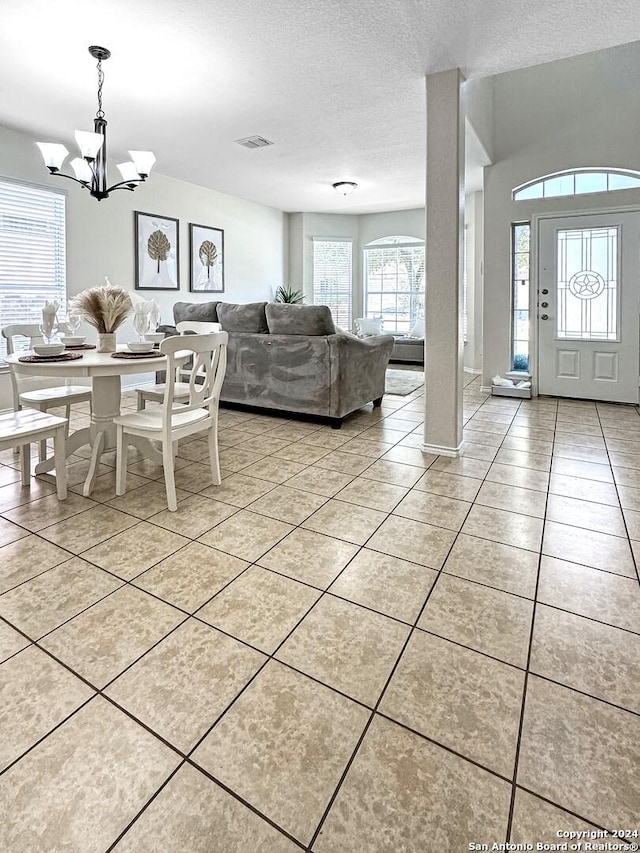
<point x="124" y="354"/>
<point x="45" y="359"/>
<point x="79" y="346"/>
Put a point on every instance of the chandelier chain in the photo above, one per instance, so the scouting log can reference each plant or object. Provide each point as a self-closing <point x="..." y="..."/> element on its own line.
<point x="100" y="113"/>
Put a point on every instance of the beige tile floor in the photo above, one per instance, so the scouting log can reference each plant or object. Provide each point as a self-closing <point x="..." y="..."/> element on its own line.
<point x="350" y="645"/>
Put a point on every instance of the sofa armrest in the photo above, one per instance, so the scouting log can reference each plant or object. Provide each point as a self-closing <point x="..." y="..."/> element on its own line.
<point x="168" y="330"/>
<point x="358" y="367"/>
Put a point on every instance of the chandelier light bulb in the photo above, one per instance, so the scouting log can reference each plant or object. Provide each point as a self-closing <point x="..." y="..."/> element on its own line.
<point x="128" y="171"/>
<point x="143" y="161"/>
<point x="89" y="143"/>
<point x="53" y="154"/>
<point x="82" y="170"/>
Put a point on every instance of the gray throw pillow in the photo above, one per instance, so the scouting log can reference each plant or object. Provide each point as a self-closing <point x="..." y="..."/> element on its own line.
<point x="243" y="318"/>
<point x="286" y="319"/>
<point x="201" y="312"/>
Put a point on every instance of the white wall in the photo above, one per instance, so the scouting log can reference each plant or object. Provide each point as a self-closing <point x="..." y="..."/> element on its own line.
<point x="362" y="229"/>
<point x="478" y="99"/>
<point x="373" y="226"/>
<point x="321" y="225"/>
<point x="562" y="115"/>
<point x="100" y="235"/>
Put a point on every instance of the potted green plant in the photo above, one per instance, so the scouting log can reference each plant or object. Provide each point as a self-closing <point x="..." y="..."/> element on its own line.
<point x="287" y="293"/>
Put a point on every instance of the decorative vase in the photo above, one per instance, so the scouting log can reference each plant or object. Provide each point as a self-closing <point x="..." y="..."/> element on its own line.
<point x="106" y="342"/>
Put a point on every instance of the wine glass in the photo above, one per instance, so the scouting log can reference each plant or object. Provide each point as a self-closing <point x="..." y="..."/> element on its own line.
<point x="141" y="323"/>
<point x="73" y="319"/>
<point x="49" y="327"/>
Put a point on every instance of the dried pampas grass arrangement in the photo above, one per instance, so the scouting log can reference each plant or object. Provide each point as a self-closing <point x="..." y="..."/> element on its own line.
<point x="105" y="308"/>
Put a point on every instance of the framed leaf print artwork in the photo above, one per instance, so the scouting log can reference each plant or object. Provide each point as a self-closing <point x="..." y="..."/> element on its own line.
<point x="157" y="255"/>
<point x="206" y="246"/>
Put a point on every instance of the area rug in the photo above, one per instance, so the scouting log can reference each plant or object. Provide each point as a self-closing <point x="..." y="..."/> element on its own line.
<point x="403" y="382"/>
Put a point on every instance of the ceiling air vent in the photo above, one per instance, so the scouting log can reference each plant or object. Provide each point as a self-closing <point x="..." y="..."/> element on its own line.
<point x="252" y="142"/>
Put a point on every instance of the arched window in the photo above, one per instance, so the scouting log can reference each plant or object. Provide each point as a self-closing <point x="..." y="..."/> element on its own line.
<point x="578" y="182"/>
<point x="393" y="272"/>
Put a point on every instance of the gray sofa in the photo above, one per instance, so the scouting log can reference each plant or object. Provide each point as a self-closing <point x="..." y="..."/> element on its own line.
<point x="290" y="358"/>
<point x="409" y="350"/>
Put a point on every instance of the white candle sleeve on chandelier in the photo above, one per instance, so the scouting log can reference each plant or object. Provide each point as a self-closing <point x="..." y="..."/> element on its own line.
<point x="89" y="143"/>
<point x="143" y="161"/>
<point x="53" y="154"/>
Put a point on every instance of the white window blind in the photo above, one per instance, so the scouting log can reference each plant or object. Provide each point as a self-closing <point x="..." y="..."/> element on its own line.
<point x="32" y="252"/>
<point x="332" y="278"/>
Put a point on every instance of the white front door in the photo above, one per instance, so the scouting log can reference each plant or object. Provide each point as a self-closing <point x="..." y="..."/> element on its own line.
<point x="588" y="306"/>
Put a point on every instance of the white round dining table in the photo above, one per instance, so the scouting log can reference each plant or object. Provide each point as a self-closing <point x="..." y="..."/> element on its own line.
<point x="105" y="373"/>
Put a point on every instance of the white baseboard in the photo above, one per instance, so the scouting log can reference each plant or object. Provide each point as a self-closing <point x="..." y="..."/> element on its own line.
<point x="485" y="389"/>
<point x="443" y="450"/>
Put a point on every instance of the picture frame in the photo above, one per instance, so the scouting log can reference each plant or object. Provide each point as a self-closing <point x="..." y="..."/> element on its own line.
<point x="206" y="253"/>
<point x="157" y="244"/>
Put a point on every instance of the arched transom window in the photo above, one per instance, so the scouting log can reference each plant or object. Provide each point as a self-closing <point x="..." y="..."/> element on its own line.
<point x="578" y="182"/>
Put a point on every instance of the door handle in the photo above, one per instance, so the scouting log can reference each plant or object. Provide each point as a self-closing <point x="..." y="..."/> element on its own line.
<point x="544" y="316"/>
<point x="545" y="291"/>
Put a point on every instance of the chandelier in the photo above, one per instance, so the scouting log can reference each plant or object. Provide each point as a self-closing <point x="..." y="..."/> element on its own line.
<point x="91" y="168"/>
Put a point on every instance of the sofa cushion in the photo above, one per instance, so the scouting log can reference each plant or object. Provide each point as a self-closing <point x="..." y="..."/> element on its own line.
<point x="243" y="318"/>
<point x="286" y="319"/>
<point x="201" y="312"/>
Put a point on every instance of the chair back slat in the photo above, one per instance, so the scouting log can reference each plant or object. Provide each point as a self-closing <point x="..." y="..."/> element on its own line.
<point x="193" y="327"/>
<point x="31" y="332"/>
<point x="210" y="361"/>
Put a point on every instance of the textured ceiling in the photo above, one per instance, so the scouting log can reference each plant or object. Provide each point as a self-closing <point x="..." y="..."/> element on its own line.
<point x="337" y="85"/>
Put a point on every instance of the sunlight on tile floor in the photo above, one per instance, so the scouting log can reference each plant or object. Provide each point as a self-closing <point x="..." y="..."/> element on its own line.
<point x="349" y="645"/>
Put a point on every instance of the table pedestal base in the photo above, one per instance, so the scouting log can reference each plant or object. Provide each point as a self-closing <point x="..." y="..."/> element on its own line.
<point x="101" y="435"/>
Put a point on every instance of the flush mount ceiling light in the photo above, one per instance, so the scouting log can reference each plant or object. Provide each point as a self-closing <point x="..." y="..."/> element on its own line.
<point x="344" y="187"/>
<point x="91" y="168"/>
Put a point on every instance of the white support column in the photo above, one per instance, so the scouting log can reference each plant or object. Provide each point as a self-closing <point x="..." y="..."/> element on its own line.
<point x="444" y="360"/>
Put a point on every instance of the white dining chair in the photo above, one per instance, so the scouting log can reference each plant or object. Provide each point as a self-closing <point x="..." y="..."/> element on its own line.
<point x="175" y="420"/>
<point x="21" y="428"/>
<point x="34" y="392"/>
<point x="155" y="393"/>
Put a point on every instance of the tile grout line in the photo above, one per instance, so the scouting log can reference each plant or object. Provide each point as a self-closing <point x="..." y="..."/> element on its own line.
<point x="615" y="483"/>
<point x="270" y="657"/>
<point x="526" y="673"/>
<point x="326" y="591"/>
<point x="384" y="689"/>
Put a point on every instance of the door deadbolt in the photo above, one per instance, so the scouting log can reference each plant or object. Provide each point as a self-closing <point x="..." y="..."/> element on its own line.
<point x="544" y="316"/>
<point x="545" y="291"/>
